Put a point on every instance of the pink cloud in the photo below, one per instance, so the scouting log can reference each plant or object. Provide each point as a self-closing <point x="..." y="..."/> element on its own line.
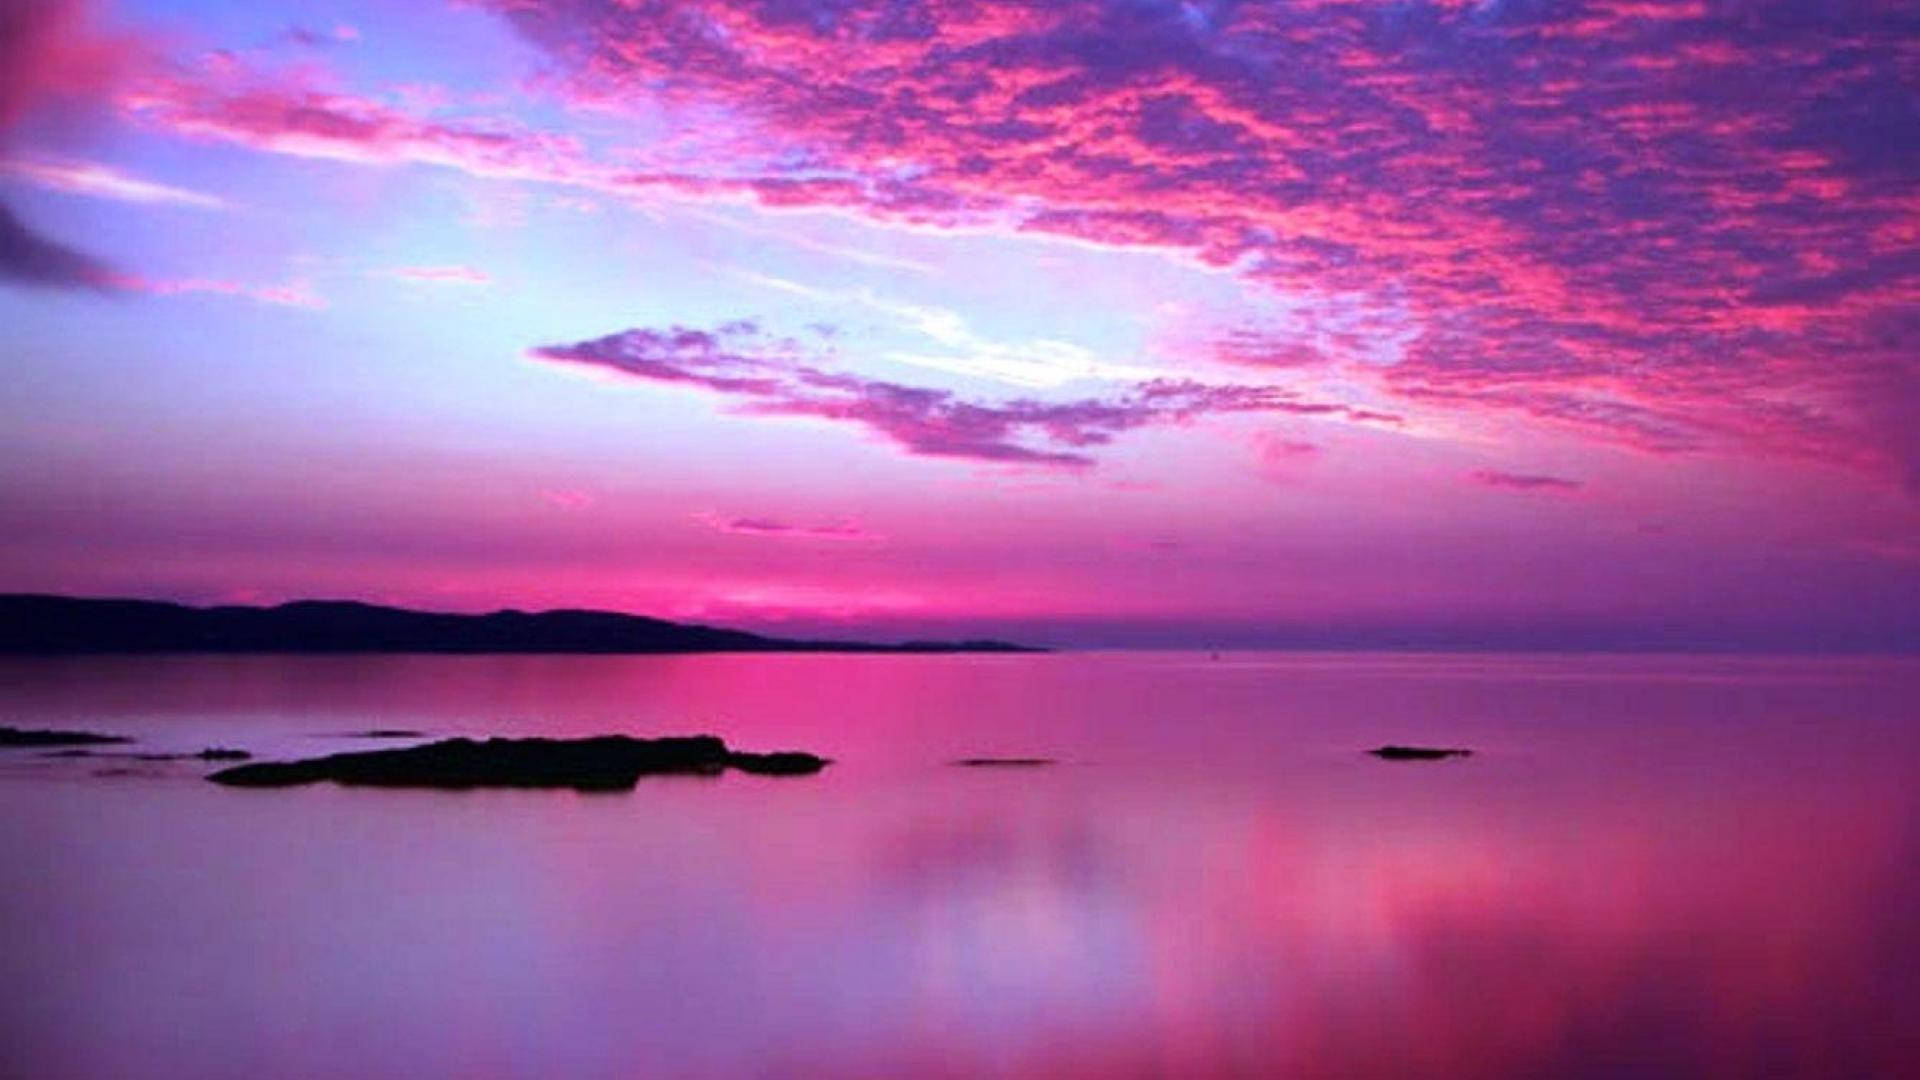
<point x="297" y="294"/>
<point x="53" y="51"/>
<point x="440" y="275"/>
<point x="1281" y="458"/>
<point x="1276" y="449"/>
<point x="567" y="498"/>
<point x="234" y="104"/>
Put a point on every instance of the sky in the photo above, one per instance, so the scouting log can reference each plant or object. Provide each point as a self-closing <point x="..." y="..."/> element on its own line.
<point x="1322" y="323"/>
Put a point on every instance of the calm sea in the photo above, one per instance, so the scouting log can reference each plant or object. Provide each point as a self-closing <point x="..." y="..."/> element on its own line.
<point x="1690" y="866"/>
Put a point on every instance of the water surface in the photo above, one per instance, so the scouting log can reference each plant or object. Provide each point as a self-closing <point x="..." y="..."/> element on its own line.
<point x="1696" y="866"/>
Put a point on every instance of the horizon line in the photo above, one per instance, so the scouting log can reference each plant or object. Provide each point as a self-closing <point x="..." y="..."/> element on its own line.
<point x="1538" y="637"/>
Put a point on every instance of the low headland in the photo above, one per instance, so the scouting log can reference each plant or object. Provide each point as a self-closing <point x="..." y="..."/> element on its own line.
<point x="13" y="736"/>
<point x="51" y="625"/>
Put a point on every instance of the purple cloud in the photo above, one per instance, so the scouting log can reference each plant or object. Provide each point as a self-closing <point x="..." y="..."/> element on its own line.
<point x="28" y="258"/>
<point x="771" y="377"/>
<point x="1524" y="481"/>
<point x="775" y="528"/>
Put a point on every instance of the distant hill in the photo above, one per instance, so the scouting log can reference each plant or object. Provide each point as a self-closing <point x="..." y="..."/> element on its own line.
<point x="60" y="624"/>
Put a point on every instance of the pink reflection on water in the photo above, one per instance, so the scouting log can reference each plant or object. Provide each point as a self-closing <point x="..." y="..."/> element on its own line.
<point x="1698" y="867"/>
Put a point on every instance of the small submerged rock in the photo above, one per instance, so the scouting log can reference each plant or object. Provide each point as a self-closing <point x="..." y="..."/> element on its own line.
<point x="12" y="736"/>
<point x="211" y="753"/>
<point x="1418" y="753"/>
<point x="1004" y="762"/>
<point x="602" y="763"/>
<point x="779" y="763"/>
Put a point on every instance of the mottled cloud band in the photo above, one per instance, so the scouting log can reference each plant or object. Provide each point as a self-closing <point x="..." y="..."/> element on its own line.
<point x="1677" y="226"/>
<point x="1673" y="225"/>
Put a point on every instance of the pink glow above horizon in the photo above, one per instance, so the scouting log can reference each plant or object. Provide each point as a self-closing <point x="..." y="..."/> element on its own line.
<point x="1140" y="321"/>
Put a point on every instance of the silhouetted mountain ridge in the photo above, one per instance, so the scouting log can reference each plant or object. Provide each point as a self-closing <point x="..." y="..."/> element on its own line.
<point x="33" y="623"/>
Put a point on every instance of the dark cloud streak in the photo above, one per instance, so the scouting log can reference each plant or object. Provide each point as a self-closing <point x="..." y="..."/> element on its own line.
<point x="28" y="258"/>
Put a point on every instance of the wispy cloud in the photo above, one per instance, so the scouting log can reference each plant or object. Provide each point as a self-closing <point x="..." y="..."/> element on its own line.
<point x="777" y="378"/>
<point x="234" y="104"/>
<point x="776" y="528"/>
<point x="567" y="498"/>
<point x="847" y="252"/>
<point x="100" y="181"/>
<point x="1281" y="458"/>
<point x="338" y="34"/>
<point x="1035" y="363"/>
<point x="296" y="294"/>
<point x="439" y="275"/>
<point x="1524" y="481"/>
<point x="1038" y="363"/>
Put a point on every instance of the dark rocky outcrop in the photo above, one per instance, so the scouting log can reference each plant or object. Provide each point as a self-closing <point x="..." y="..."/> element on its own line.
<point x="1418" y="753"/>
<point x="602" y="763"/>
<point x="12" y="736"/>
<point x="1003" y="762"/>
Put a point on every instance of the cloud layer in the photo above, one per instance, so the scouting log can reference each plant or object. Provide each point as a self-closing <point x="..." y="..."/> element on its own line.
<point x="1673" y="225"/>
